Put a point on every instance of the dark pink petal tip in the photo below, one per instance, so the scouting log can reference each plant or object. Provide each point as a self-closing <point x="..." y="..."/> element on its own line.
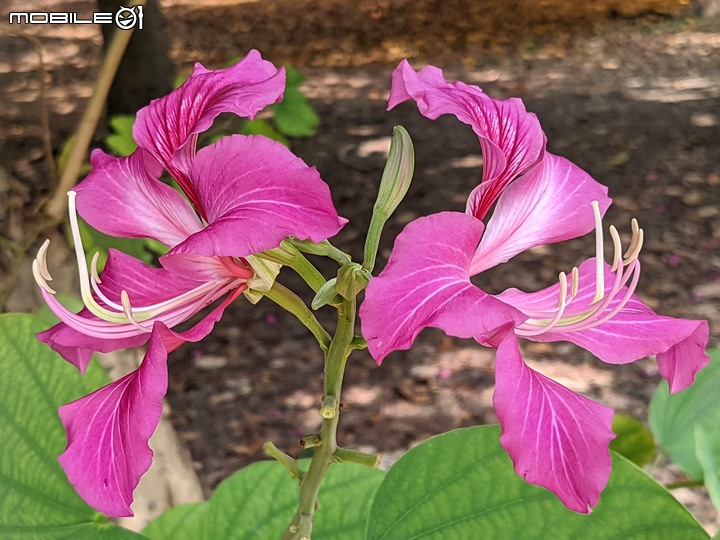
<point x="556" y="438"/>
<point x="168" y="127"/>
<point x="510" y="137"/>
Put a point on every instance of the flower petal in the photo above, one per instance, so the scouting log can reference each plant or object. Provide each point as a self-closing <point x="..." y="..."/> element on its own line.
<point x="635" y="332"/>
<point x="556" y="438"/>
<point x="109" y="430"/>
<point x="108" y="433"/>
<point x="124" y="197"/>
<point x="168" y="127"/>
<point x="550" y="203"/>
<point x="426" y="284"/>
<point x="145" y="286"/>
<point x="510" y="137"/>
<point x="255" y="193"/>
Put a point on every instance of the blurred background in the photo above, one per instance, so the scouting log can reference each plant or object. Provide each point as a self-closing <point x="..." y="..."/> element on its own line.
<point x="627" y="89"/>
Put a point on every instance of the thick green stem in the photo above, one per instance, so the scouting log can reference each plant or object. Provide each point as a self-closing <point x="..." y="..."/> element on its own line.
<point x="291" y="302"/>
<point x="335" y="359"/>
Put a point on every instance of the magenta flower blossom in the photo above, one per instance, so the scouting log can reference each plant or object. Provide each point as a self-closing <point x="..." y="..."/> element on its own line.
<point x="555" y="437"/>
<point x="245" y="195"/>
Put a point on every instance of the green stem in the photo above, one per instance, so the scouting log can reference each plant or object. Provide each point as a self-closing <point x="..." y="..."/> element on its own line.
<point x="324" y="249"/>
<point x="347" y="455"/>
<point x="335" y="360"/>
<point x="288" y="255"/>
<point x="291" y="302"/>
<point x="289" y="463"/>
<point x="685" y="484"/>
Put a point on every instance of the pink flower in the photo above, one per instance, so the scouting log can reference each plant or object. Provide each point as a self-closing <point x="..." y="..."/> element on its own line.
<point x="245" y="195"/>
<point x="555" y="437"/>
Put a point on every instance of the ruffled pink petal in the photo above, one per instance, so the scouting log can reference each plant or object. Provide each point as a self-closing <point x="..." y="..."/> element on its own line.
<point x="635" y="332"/>
<point x="556" y="438"/>
<point x="124" y="197"/>
<point x="550" y="203"/>
<point x="108" y="430"/>
<point x="168" y="127"/>
<point x="255" y="193"/>
<point x="511" y="138"/>
<point x="426" y="284"/>
<point x="145" y="286"/>
<point x="108" y="433"/>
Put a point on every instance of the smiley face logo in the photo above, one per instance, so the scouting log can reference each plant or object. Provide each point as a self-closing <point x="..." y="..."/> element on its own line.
<point x="127" y="18"/>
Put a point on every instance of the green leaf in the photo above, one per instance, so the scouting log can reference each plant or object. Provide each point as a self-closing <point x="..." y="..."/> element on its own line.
<point x="36" y="500"/>
<point x="294" y="116"/>
<point x="259" y="502"/>
<point x="462" y="485"/>
<point x="186" y="521"/>
<point x="709" y="459"/>
<point x="673" y="418"/>
<point x="120" y="142"/>
<point x="261" y="127"/>
<point x="634" y="440"/>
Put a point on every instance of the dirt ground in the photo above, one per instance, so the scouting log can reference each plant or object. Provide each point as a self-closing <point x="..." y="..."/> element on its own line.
<point x="630" y="91"/>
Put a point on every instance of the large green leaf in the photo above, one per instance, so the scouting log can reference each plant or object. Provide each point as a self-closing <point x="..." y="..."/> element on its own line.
<point x="189" y="521"/>
<point x="709" y="459"/>
<point x="462" y="485"/>
<point x="673" y="418"/>
<point x="36" y="500"/>
<point x="259" y="502"/>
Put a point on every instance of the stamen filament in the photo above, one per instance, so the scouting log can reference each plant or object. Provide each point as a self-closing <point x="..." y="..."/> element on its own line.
<point x="626" y="268"/>
<point x="599" y="249"/>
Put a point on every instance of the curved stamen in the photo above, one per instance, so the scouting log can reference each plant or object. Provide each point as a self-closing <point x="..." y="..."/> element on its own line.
<point x="626" y="268"/>
<point x="537" y="330"/>
<point x="599" y="250"/>
<point x="127" y="309"/>
<point x="125" y="321"/>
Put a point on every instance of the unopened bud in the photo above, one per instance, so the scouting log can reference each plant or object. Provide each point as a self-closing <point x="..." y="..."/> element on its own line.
<point x="394" y="184"/>
<point x="325" y="294"/>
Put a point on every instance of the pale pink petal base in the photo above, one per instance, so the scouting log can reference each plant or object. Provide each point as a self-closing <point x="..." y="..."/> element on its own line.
<point x="551" y="203"/>
<point x="556" y="438"/>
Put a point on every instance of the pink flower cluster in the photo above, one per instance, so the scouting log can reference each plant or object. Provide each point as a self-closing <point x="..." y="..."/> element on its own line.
<point x="243" y="195"/>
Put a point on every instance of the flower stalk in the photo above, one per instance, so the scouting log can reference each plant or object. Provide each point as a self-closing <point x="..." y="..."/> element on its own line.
<point x="291" y="302"/>
<point x="326" y="448"/>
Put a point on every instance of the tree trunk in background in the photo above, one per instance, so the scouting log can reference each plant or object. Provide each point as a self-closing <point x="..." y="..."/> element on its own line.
<point x="708" y="8"/>
<point x="146" y="71"/>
